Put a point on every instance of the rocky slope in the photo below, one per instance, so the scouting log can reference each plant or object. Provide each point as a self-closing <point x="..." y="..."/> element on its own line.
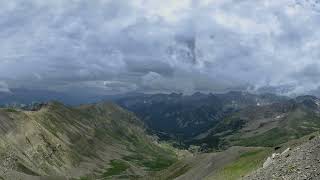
<point x="92" y="141"/>
<point x="298" y="163"/>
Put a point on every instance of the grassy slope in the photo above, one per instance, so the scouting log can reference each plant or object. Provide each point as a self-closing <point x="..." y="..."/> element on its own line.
<point x="246" y="163"/>
<point x="63" y="140"/>
<point x="260" y="127"/>
<point x="297" y="124"/>
<point x="232" y="164"/>
<point x="252" y="160"/>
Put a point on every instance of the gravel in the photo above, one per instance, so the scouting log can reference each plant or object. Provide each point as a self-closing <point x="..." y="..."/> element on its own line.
<point x="300" y="163"/>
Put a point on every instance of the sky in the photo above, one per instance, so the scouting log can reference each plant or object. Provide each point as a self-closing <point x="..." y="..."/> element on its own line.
<point x="119" y="46"/>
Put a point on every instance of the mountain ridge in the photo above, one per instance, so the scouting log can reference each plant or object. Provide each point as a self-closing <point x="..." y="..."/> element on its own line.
<point x="73" y="142"/>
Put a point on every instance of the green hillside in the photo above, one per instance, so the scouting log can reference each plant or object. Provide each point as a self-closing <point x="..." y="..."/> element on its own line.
<point x="98" y="141"/>
<point x="263" y="126"/>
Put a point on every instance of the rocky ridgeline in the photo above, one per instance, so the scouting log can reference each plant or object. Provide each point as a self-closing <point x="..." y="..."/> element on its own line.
<point x="300" y="163"/>
<point x="35" y="106"/>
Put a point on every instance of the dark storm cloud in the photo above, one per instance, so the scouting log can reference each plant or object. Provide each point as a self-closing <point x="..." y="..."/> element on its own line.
<point x="117" y="46"/>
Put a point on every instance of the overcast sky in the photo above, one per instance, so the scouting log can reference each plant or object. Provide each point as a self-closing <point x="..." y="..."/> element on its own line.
<point x="108" y="46"/>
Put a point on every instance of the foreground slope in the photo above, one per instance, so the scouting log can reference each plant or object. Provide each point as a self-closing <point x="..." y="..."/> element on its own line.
<point x="93" y="141"/>
<point x="298" y="163"/>
<point x="295" y="159"/>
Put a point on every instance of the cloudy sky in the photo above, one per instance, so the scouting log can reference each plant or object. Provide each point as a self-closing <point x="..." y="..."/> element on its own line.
<point x="115" y="46"/>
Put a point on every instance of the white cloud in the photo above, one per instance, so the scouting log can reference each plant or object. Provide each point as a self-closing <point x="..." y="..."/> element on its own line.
<point x="180" y="45"/>
<point x="4" y="87"/>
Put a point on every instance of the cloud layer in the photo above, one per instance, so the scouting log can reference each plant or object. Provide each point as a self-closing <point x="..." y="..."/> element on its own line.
<point x="108" y="46"/>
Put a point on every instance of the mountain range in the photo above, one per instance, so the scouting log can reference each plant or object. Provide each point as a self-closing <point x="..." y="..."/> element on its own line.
<point x="155" y="136"/>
